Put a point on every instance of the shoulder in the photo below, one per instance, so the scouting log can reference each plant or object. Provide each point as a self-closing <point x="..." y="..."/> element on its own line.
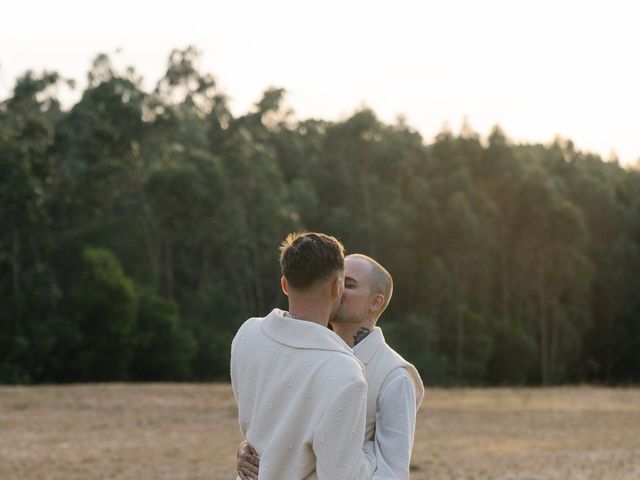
<point x="390" y="353"/>
<point x="401" y="371"/>
<point x="249" y="325"/>
<point x="344" y="368"/>
<point x="398" y="389"/>
<point x="247" y="329"/>
<point x="398" y="378"/>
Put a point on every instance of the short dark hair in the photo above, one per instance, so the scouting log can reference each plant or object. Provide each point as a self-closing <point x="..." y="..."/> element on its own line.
<point x="306" y="258"/>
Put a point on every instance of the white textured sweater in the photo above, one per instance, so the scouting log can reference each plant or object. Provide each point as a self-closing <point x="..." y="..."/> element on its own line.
<point x="301" y="398"/>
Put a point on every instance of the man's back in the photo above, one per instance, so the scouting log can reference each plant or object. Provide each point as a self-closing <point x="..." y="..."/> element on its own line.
<point x="301" y="399"/>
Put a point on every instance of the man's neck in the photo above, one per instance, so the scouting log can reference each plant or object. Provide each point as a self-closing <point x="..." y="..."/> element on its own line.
<point x="353" y="333"/>
<point x="310" y="312"/>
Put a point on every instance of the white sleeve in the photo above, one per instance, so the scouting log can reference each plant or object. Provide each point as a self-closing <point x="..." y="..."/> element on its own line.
<point x="395" y="426"/>
<point x="337" y="443"/>
<point x="233" y="371"/>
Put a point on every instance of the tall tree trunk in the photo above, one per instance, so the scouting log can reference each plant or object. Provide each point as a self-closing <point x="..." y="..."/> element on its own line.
<point x="168" y="269"/>
<point x="555" y="340"/>
<point x="256" y="279"/>
<point x="609" y="346"/>
<point x="459" y="326"/>
<point x="205" y="266"/>
<point x="150" y="235"/>
<point x="504" y="287"/>
<point x="544" y="326"/>
<point x="15" y="261"/>
<point x="150" y="240"/>
<point x="237" y="276"/>
<point x="368" y="214"/>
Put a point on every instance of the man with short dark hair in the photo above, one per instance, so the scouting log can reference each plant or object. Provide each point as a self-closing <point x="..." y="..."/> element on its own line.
<point x="301" y="393"/>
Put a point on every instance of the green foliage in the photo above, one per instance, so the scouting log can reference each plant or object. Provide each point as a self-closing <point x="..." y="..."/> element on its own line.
<point x="106" y="307"/>
<point x="215" y="318"/>
<point x="514" y="354"/>
<point x="163" y="347"/>
<point x="417" y="338"/>
<point x="513" y="263"/>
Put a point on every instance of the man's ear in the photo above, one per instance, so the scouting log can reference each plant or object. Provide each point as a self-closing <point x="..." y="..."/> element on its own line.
<point x="377" y="301"/>
<point x="335" y="287"/>
<point x="283" y="284"/>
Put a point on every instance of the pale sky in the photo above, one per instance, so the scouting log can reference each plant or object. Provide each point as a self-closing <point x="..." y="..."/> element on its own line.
<point x="537" y="68"/>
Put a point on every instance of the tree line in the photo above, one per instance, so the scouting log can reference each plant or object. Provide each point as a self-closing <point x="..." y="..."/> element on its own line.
<point x="139" y="229"/>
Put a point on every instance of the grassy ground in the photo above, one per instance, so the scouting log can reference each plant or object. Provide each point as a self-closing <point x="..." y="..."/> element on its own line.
<point x="168" y="431"/>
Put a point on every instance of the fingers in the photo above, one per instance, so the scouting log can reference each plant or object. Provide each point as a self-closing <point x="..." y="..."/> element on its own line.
<point x="244" y="475"/>
<point x="254" y="460"/>
<point x="247" y="448"/>
<point x="244" y="448"/>
<point x="249" y="455"/>
<point x="248" y="461"/>
<point x="249" y="464"/>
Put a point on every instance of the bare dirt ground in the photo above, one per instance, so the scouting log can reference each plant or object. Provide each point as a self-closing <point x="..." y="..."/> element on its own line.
<point x="170" y="431"/>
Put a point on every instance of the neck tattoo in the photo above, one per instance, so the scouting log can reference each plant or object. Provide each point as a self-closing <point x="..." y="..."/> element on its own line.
<point x="360" y="335"/>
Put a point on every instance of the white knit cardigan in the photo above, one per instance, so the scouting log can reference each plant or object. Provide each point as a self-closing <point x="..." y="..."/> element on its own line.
<point x="301" y="398"/>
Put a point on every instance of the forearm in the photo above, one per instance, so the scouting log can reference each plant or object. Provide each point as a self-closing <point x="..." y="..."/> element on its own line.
<point x="395" y="427"/>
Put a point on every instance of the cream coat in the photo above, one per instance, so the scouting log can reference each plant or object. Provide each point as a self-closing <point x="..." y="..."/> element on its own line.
<point x="395" y="392"/>
<point x="380" y="360"/>
<point x="301" y="398"/>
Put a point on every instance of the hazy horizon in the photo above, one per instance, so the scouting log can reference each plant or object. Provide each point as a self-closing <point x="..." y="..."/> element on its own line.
<point x="538" y="70"/>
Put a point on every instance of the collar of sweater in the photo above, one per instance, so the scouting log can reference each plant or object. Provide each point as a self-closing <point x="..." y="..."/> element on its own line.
<point x="301" y="334"/>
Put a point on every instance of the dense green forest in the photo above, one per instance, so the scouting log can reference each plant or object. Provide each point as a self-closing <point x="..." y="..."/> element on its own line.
<point x="139" y="229"/>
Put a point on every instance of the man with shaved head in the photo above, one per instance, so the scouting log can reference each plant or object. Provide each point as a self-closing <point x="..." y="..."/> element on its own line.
<point x="394" y="387"/>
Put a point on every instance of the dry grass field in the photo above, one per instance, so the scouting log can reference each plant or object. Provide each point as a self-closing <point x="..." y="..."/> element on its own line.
<point x="170" y="431"/>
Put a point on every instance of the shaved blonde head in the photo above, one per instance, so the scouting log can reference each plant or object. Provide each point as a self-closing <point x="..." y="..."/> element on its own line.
<point x="381" y="280"/>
